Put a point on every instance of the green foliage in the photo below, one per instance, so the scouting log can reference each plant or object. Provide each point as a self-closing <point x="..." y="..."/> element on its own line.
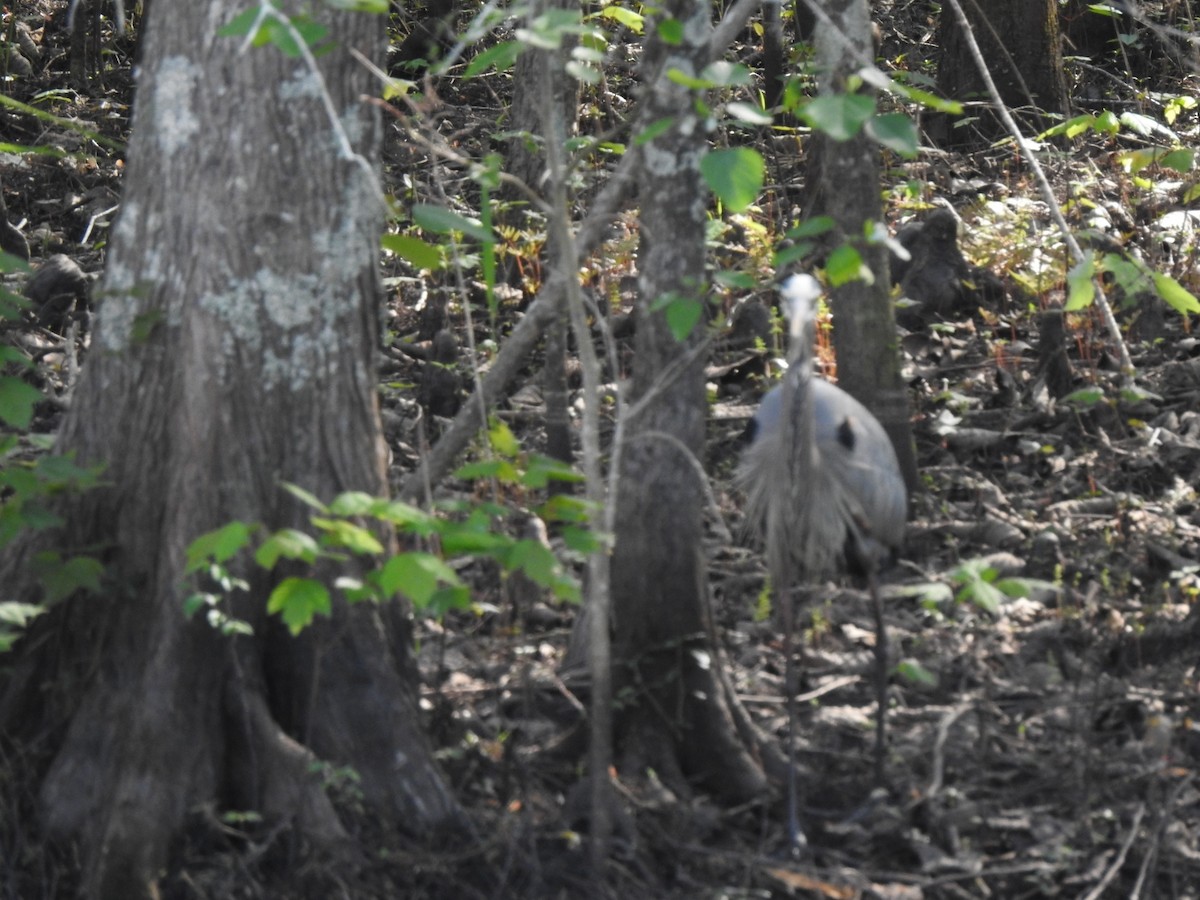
<point x="843" y="116"/>
<point x="845" y="264"/>
<point x="547" y="32"/>
<point x="440" y="220"/>
<point x="979" y="583"/>
<point x="421" y="254"/>
<point x="683" y="313"/>
<point x="266" y="24"/>
<point x="1133" y="276"/>
<point x="349" y="527"/>
<point x="913" y="672"/>
<point x="29" y="486"/>
<point x="72" y="124"/>
<point x="803" y="236"/>
<point x="735" y="176"/>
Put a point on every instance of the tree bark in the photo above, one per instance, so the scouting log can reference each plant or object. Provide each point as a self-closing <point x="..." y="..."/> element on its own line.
<point x="845" y="185"/>
<point x="538" y="73"/>
<point x="1021" y="45"/>
<point x="234" y="350"/>
<point x="676" y="719"/>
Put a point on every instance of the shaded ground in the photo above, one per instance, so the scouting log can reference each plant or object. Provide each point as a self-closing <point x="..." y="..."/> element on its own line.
<point x="1044" y="748"/>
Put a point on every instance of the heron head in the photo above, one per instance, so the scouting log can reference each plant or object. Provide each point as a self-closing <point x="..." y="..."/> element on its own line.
<point x="799" y="294"/>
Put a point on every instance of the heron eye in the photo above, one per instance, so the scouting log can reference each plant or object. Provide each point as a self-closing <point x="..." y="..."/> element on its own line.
<point x="845" y="433"/>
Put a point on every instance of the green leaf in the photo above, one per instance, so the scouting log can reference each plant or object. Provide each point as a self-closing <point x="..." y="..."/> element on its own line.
<point x="240" y="24"/>
<point x="19" y="614"/>
<point x="1080" y="290"/>
<point x="725" y="74"/>
<point x="1175" y="294"/>
<point x="735" y="176"/>
<point x="729" y="278"/>
<point x="670" y="32"/>
<point x="1129" y="276"/>
<point x="441" y="220"/>
<point x="1143" y="125"/>
<point x="447" y="598"/>
<point x="582" y="72"/>
<point x="10" y="263"/>
<point x="565" y="508"/>
<point x="748" y="113"/>
<point x="193" y="603"/>
<point x="229" y="627"/>
<point x="841" y="116"/>
<point x="356" y="503"/>
<point x="1071" y="128"/>
<point x="274" y="31"/>
<point x="305" y="497"/>
<point x="984" y="595"/>
<point x="409" y="519"/>
<point x="352" y="537"/>
<point x="219" y="545"/>
<point x="376" y="7"/>
<point x="683" y="316"/>
<point x="287" y="543"/>
<point x="502" y="439"/>
<point x="547" y="31"/>
<point x="1135" y="393"/>
<point x="417" y="576"/>
<point x="17" y="400"/>
<point x="284" y="38"/>
<point x="540" y="564"/>
<point x="895" y="131"/>
<point x="61" y="578"/>
<point x="681" y="312"/>
<point x="421" y="254"/>
<point x="500" y="57"/>
<point x="653" y="130"/>
<point x="925" y="98"/>
<point x="1180" y="160"/>
<point x="622" y="16"/>
<point x="501" y="469"/>
<point x="915" y="673"/>
<point x="583" y="540"/>
<point x="297" y="601"/>
<point x="1088" y="396"/>
<point x="845" y="264"/>
<point x="541" y="470"/>
<point x="813" y="227"/>
<point x="13" y="355"/>
<point x="467" y="542"/>
<point x="355" y="590"/>
<point x="1107" y="123"/>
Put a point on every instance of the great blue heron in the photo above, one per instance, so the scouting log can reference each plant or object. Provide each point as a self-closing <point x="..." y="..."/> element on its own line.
<point x="822" y="484"/>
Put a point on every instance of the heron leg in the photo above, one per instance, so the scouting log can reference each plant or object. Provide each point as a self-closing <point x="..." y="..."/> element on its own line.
<point x="881" y="679"/>
<point x="797" y="841"/>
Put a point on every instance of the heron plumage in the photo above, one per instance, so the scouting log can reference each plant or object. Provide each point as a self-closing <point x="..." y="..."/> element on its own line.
<point x="823" y="485"/>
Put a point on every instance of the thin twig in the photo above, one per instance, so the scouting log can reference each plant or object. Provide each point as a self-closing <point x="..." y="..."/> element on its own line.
<point x="598" y="600"/>
<point x="697" y="467"/>
<point x="1111" y="873"/>
<point x="939" y="749"/>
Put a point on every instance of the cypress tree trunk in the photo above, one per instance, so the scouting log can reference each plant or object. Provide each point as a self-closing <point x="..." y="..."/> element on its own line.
<point x="844" y="182"/>
<point x="675" y="717"/>
<point x="1020" y="43"/>
<point x="234" y="350"/>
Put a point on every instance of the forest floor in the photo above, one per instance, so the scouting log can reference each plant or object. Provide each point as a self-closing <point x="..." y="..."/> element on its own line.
<point x="1042" y="736"/>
